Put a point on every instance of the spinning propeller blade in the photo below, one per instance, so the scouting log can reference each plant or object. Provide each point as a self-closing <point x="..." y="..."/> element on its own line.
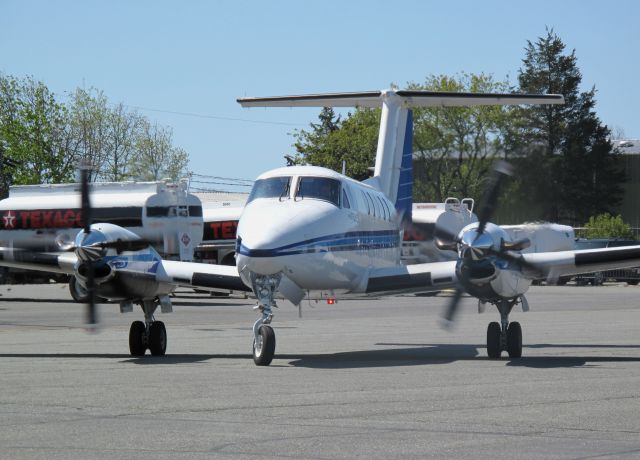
<point x="452" y="308"/>
<point x="490" y="198"/>
<point x="92" y="318"/>
<point x="500" y="171"/>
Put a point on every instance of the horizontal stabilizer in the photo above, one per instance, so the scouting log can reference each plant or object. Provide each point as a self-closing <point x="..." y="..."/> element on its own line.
<point x="409" y="99"/>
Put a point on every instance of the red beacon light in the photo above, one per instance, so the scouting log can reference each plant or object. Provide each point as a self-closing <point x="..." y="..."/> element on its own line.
<point x="331" y="300"/>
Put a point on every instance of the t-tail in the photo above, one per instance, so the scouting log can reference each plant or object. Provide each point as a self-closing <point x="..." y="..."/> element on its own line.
<point x="393" y="171"/>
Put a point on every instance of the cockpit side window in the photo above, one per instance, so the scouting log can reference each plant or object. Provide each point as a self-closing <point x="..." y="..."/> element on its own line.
<point x="273" y="187"/>
<point x="345" y="200"/>
<point x="320" y="188"/>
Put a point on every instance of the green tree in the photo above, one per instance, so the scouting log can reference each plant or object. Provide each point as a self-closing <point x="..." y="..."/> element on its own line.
<point x="607" y="226"/>
<point x="566" y="170"/>
<point x="156" y="158"/>
<point x="123" y="130"/>
<point x="89" y="117"/>
<point x="454" y="147"/>
<point x="34" y="136"/>
<point x="333" y="141"/>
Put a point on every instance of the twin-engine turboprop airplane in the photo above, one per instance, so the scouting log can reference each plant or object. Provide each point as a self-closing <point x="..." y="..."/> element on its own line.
<point x="311" y="232"/>
<point x="296" y="240"/>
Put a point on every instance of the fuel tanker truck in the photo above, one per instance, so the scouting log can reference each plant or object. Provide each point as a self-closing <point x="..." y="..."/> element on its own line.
<point x="44" y="217"/>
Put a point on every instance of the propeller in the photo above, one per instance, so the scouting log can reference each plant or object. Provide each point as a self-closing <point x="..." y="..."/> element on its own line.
<point x="84" y="253"/>
<point x="480" y="247"/>
<point x="501" y="169"/>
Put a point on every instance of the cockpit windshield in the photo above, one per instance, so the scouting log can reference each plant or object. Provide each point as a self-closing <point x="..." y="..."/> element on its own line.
<point x="273" y="187"/>
<point x="321" y="188"/>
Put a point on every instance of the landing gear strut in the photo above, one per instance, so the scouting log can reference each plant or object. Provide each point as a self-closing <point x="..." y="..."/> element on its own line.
<point x="264" y="338"/>
<point x="151" y="334"/>
<point x="504" y="336"/>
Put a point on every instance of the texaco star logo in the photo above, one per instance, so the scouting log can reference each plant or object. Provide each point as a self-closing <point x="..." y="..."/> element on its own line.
<point x="9" y="219"/>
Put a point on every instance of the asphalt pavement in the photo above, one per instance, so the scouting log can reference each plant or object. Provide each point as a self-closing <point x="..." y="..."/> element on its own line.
<point x="374" y="378"/>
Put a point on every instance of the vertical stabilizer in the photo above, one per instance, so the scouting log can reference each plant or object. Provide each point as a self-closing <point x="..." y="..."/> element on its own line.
<point x="404" y="195"/>
<point x="393" y="171"/>
<point x="393" y="129"/>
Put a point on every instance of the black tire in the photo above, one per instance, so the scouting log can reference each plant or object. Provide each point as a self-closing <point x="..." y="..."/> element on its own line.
<point x="598" y="279"/>
<point x="263" y="352"/>
<point x="157" y="338"/>
<point x="633" y="282"/>
<point x="514" y="340"/>
<point x="493" y="340"/>
<point x="78" y="293"/>
<point x="137" y="332"/>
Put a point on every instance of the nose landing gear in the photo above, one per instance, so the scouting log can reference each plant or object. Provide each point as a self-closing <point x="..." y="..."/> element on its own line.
<point x="264" y="338"/>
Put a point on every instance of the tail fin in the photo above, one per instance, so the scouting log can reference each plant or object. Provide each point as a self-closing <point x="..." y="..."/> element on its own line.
<point x="395" y="138"/>
<point x="404" y="195"/>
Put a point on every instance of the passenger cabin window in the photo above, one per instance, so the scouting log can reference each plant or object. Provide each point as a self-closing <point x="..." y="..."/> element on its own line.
<point x="371" y="205"/>
<point x="385" y="211"/>
<point x="320" y="188"/>
<point x="273" y="187"/>
<point x="366" y="202"/>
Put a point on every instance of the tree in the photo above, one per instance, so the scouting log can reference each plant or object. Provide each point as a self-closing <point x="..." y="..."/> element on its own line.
<point x="454" y="147"/>
<point x="89" y="114"/>
<point x="566" y="168"/>
<point x="607" y="226"/>
<point x="155" y="157"/>
<point x="34" y="135"/>
<point x="333" y="141"/>
<point x="123" y="128"/>
<point x="42" y="140"/>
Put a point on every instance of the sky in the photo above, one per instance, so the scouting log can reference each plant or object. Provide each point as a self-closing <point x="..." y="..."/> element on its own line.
<point x="168" y="59"/>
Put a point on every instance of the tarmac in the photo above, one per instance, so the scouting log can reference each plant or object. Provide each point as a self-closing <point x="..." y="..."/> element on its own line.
<point x="373" y="378"/>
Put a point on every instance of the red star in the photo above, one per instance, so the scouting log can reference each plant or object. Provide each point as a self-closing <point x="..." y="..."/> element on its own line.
<point x="9" y="219"/>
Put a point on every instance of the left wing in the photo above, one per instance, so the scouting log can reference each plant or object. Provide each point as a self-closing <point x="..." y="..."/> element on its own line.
<point x="582" y="261"/>
<point x="429" y="277"/>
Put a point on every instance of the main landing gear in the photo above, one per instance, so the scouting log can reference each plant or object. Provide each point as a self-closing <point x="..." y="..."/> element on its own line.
<point x="504" y="336"/>
<point x="264" y="338"/>
<point x="151" y="334"/>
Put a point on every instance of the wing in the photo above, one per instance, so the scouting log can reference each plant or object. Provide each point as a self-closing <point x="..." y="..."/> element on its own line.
<point x="583" y="261"/>
<point x="193" y="274"/>
<point x="41" y="261"/>
<point x="429" y="277"/>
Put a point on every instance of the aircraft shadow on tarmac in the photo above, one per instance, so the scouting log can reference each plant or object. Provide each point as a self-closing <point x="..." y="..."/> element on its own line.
<point x="408" y="355"/>
<point x="31" y="300"/>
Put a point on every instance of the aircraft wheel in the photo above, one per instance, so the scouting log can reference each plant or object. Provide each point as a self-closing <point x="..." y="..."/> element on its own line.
<point x="137" y="332"/>
<point x="264" y="346"/>
<point x="157" y="338"/>
<point x="493" y="340"/>
<point x="514" y="340"/>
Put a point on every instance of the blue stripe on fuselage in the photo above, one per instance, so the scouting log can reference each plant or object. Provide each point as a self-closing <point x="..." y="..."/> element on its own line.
<point x="350" y="241"/>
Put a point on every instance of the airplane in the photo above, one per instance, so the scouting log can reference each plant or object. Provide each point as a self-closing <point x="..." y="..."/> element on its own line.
<point x="311" y="232"/>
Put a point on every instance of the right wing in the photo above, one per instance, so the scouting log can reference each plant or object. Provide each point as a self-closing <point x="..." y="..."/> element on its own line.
<point x="57" y="262"/>
<point x="208" y="276"/>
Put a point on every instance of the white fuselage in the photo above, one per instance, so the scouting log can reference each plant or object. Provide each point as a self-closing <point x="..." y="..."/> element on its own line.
<point x="319" y="244"/>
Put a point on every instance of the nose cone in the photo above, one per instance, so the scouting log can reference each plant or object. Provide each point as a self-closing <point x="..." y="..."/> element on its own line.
<point x="268" y="233"/>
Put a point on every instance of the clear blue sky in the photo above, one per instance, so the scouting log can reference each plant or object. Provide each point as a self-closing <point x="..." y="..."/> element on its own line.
<point x="199" y="56"/>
